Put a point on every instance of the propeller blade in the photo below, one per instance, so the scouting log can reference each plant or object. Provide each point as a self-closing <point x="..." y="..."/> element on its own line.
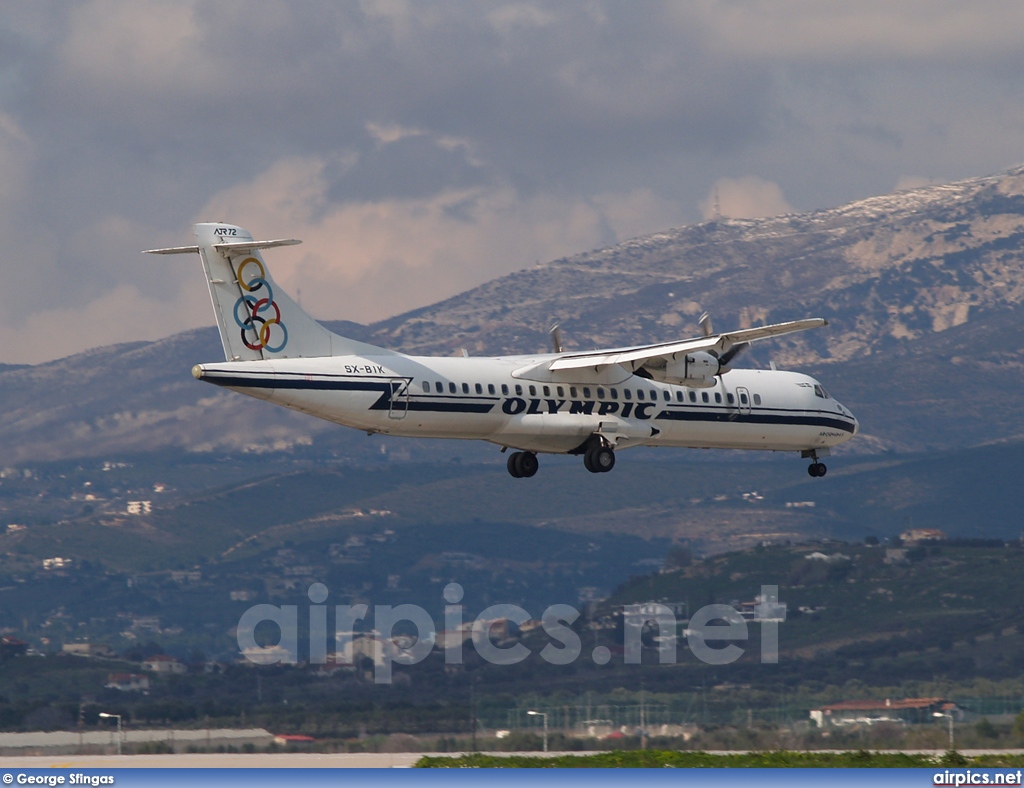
<point x="705" y="324"/>
<point x="556" y="338"/>
<point x="732" y="353"/>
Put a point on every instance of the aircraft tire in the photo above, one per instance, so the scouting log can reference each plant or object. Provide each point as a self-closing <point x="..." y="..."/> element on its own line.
<point x="604" y="459"/>
<point x="527" y="464"/>
<point x="817" y="470"/>
<point x="599" y="459"/>
<point x="513" y="465"/>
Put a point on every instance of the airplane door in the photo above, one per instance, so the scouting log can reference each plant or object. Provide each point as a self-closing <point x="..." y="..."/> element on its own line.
<point x="398" y="407"/>
<point x="743" y="401"/>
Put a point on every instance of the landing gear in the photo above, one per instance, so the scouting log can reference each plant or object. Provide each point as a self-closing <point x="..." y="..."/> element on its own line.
<point x="817" y="468"/>
<point x="522" y="464"/>
<point x="599" y="459"/>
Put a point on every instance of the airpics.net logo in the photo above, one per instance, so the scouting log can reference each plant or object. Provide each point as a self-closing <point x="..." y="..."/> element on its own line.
<point x="712" y="633"/>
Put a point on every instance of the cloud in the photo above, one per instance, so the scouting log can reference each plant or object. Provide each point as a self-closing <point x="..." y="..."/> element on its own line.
<point x="421" y="148"/>
<point x="366" y="261"/>
<point x="907" y="182"/>
<point x="908" y="30"/>
<point x="748" y="197"/>
<point x="123" y="314"/>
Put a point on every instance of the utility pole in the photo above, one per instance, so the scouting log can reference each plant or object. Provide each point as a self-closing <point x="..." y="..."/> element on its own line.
<point x="118" y="716"/>
<point x="950" y="717"/>
<point x="543" y="714"/>
<point x="643" y="722"/>
<point x="472" y="712"/>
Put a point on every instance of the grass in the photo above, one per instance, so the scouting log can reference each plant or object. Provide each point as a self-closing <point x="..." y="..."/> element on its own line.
<point x="782" y="759"/>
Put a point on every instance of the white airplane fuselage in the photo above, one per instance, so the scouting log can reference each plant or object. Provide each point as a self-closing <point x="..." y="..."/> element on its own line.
<point x="484" y="399"/>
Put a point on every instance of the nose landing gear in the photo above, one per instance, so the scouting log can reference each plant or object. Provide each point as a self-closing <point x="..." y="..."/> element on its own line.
<point x="817" y="468"/>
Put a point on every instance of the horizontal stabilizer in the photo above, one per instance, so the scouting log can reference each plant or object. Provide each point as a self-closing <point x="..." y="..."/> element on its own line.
<point x="230" y="246"/>
<point x="173" y="250"/>
<point x="248" y="246"/>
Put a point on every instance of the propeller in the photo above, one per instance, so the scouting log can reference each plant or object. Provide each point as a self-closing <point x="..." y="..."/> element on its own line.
<point x="708" y="330"/>
<point x="732" y="353"/>
<point x="556" y="338"/>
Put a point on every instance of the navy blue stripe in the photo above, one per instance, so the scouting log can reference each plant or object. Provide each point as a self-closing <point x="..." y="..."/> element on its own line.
<point x="451" y="407"/>
<point x="384" y="387"/>
<point x="755" y="418"/>
<point x="299" y="383"/>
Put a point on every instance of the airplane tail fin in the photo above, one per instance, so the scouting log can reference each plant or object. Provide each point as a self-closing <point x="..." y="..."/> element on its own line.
<point x="256" y="318"/>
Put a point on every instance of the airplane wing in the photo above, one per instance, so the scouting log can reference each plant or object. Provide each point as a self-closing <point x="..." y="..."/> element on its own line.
<point x="658" y="355"/>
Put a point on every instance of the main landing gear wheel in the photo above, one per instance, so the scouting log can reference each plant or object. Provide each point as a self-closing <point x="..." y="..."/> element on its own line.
<point x="522" y="464"/>
<point x="599" y="459"/>
<point x="817" y="469"/>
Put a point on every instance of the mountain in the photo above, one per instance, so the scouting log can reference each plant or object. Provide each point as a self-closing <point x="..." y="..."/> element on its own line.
<point x="921" y="289"/>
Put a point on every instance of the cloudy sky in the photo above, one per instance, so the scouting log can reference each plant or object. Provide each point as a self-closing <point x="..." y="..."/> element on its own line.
<point x="419" y="149"/>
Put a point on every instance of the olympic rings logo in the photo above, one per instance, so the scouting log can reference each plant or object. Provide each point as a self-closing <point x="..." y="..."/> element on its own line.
<point x="252" y="310"/>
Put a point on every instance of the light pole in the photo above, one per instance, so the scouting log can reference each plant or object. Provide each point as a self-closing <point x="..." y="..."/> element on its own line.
<point x="950" y="716"/>
<point x="118" y="716"/>
<point x="543" y="714"/>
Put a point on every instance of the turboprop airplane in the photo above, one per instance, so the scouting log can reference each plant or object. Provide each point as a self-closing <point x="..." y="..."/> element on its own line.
<point x="589" y="403"/>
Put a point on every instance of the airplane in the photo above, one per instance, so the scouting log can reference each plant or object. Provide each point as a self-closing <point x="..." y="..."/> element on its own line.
<point x="592" y="403"/>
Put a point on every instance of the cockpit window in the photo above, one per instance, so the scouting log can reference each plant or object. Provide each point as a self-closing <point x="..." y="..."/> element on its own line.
<point x="820" y="392"/>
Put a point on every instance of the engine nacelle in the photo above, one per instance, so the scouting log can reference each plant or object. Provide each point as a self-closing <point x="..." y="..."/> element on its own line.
<point x="694" y="369"/>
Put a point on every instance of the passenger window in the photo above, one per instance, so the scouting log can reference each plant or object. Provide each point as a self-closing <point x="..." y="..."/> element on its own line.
<point x="586" y="392"/>
<point x="465" y="388"/>
<point x="730" y="399"/>
<point x="679" y="396"/>
<point x="600" y="393"/>
<point x="504" y="389"/>
<point x="572" y="392"/>
<point x="561" y="391"/>
<point x="519" y="390"/>
<point x="718" y="397"/>
<point x="639" y="393"/>
<point x="439" y="387"/>
<point x="533" y="391"/>
<point x="453" y="388"/>
<point x="426" y="386"/>
<point x="490" y="388"/>
<point x="479" y="389"/>
<point x="693" y="396"/>
<point x="743" y="398"/>
<point x="666" y="396"/>
<point x="757" y="399"/>
<point x="704" y="396"/>
<point x="614" y="393"/>
<point x="627" y="394"/>
<point x="654" y="395"/>
<point x="547" y="391"/>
